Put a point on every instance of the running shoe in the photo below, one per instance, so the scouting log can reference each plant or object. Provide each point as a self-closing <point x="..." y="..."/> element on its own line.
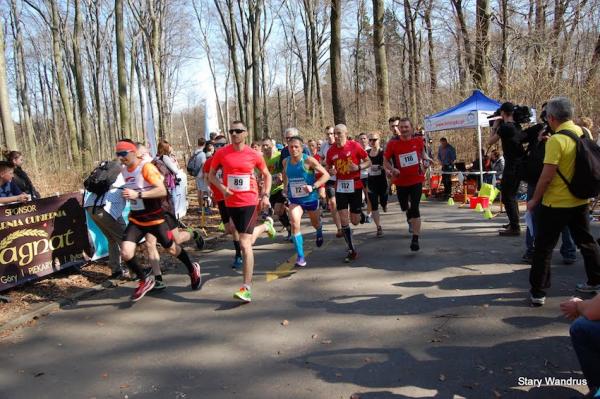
<point x="537" y="301"/>
<point x="583" y="287"/>
<point x="143" y="288"/>
<point x="270" y="229"/>
<point x="320" y="239"/>
<point x="243" y="294"/>
<point x="238" y="262"/>
<point x="196" y="277"/>
<point x="300" y="261"/>
<point x="198" y="239"/>
<point x="379" y="232"/>
<point x="414" y="245"/>
<point x="363" y="218"/>
<point x="159" y="285"/>
<point x="410" y="228"/>
<point x="368" y="219"/>
<point x="352" y="255"/>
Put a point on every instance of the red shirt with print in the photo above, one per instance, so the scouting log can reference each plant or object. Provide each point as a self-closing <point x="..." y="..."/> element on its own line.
<point x="238" y="174"/>
<point x="341" y="157"/>
<point x="406" y="157"/>
<point x="217" y="194"/>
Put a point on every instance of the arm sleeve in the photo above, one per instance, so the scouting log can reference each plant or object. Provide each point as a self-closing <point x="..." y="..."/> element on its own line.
<point x="151" y="174"/>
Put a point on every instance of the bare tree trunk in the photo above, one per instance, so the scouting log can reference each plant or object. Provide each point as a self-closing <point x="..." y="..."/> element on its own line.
<point x="503" y="73"/>
<point x="254" y="16"/>
<point x="339" y="113"/>
<point x="121" y="70"/>
<point x="463" y="34"/>
<point x="22" y="89"/>
<point x="134" y="131"/>
<point x="381" y="68"/>
<point x="8" y="128"/>
<point x="62" y="86"/>
<point x="430" y="50"/>
<point x="86" y="137"/>
<point x="595" y="63"/>
<point x="482" y="45"/>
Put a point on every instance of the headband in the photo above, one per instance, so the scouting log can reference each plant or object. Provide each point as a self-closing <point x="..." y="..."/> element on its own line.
<point x="126" y="146"/>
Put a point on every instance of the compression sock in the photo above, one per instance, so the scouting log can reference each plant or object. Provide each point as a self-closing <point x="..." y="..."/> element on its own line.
<point x="348" y="237"/>
<point x="185" y="259"/>
<point x="299" y="244"/>
<point x="238" y="249"/>
<point x="135" y="267"/>
<point x="319" y="235"/>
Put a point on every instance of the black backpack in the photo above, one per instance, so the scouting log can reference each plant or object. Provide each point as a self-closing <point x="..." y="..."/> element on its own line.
<point x="102" y="178"/>
<point x="585" y="183"/>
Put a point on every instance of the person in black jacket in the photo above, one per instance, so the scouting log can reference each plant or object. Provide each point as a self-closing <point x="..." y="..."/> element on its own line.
<point x="21" y="179"/>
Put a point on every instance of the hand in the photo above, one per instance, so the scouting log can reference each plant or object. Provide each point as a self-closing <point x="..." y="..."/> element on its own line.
<point x="395" y="172"/>
<point x="531" y="205"/>
<point x="130" y="194"/>
<point x="227" y="192"/>
<point x="264" y="203"/>
<point x="308" y="188"/>
<point x="23" y="197"/>
<point x="569" y="308"/>
<point x="353" y="167"/>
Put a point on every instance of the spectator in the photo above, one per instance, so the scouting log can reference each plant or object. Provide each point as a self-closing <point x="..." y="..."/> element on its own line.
<point x="107" y="212"/>
<point x="20" y="177"/>
<point x="587" y="124"/>
<point x="212" y="136"/>
<point x="560" y="207"/>
<point x="497" y="164"/>
<point x="9" y="191"/>
<point x="585" y="336"/>
<point x="256" y="146"/>
<point x="510" y="134"/>
<point x="537" y="135"/>
<point x="199" y="158"/>
<point x="447" y="156"/>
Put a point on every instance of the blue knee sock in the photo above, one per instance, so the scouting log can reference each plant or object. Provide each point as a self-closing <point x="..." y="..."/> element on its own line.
<point x="299" y="244"/>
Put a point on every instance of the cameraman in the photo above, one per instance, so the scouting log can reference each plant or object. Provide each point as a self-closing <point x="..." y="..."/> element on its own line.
<point x="536" y="137"/>
<point x="509" y="132"/>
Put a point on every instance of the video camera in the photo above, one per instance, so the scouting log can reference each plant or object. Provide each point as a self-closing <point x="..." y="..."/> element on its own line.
<point x="521" y="113"/>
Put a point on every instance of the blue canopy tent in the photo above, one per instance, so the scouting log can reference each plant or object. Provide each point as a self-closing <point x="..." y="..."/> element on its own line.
<point x="471" y="113"/>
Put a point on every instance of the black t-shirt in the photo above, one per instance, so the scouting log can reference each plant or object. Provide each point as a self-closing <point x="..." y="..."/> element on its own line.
<point x="376" y="171"/>
<point x="511" y="136"/>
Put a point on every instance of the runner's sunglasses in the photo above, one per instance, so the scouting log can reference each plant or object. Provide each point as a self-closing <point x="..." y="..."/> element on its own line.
<point x="236" y="131"/>
<point x="122" y="154"/>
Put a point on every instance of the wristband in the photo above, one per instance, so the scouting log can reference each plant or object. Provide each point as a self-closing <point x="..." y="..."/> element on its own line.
<point x="139" y="195"/>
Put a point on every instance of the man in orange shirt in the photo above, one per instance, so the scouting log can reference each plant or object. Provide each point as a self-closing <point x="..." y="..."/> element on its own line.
<point x="144" y="189"/>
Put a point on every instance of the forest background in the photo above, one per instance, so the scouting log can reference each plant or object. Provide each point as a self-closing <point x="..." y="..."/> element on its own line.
<point x="76" y="75"/>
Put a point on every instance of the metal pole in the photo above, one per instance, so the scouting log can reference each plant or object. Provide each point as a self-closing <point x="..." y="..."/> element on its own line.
<point x="479" y="155"/>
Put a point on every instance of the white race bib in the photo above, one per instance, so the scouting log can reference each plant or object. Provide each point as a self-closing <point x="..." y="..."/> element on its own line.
<point x="297" y="189"/>
<point x="375" y="170"/>
<point x="408" y="159"/>
<point x="345" y="186"/>
<point x="137" y="205"/>
<point x="238" y="182"/>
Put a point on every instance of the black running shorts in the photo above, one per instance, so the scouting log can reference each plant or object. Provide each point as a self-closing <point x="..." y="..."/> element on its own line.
<point x="352" y="200"/>
<point x="243" y="218"/>
<point x="223" y="212"/>
<point x="409" y="198"/>
<point x="162" y="232"/>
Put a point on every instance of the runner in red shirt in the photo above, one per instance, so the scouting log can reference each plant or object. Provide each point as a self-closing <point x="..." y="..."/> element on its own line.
<point x="345" y="160"/>
<point x="406" y="159"/>
<point x="219" y="142"/>
<point x="240" y="189"/>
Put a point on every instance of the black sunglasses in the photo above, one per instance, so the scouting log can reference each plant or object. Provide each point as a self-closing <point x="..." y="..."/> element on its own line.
<point x="122" y="154"/>
<point x="236" y="131"/>
<point x="373" y="140"/>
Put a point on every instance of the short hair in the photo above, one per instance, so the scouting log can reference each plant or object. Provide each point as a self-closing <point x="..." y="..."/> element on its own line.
<point x="393" y="119"/>
<point x="560" y="108"/>
<point x="444" y="139"/>
<point x="585" y="121"/>
<point x="405" y="119"/>
<point x="363" y="134"/>
<point x="6" y="165"/>
<point x="341" y="126"/>
<point x="311" y="141"/>
<point x="12" y="155"/>
<point x="201" y="141"/>
<point x="328" y="127"/>
<point x="297" y="138"/>
<point x="220" y="137"/>
<point x="268" y="138"/>
<point x="238" y="122"/>
<point x="292" y="130"/>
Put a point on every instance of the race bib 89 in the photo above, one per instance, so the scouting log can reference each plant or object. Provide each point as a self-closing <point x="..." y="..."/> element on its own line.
<point x="238" y="182"/>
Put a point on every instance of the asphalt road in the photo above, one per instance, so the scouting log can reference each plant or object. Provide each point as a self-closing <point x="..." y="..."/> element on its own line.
<point x="450" y="321"/>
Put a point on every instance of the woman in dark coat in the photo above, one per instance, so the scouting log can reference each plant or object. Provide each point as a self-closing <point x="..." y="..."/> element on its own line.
<point x="21" y="178"/>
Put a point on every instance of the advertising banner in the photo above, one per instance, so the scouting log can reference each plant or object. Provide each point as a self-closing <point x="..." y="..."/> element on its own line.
<point x="41" y="237"/>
